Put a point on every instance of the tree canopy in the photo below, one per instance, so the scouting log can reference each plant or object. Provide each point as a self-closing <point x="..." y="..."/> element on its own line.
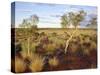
<point x="72" y="18"/>
<point x="30" y="22"/>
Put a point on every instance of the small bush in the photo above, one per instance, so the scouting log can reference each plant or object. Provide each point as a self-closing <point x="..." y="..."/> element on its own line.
<point x="93" y="46"/>
<point x="37" y="63"/>
<point x="20" y="65"/>
<point x="53" y="62"/>
<point x="50" y="48"/>
<point x="73" y="47"/>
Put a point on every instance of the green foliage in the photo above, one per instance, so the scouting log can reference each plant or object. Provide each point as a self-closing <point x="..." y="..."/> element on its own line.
<point x="30" y="22"/>
<point x="64" y="21"/>
<point x="72" y="18"/>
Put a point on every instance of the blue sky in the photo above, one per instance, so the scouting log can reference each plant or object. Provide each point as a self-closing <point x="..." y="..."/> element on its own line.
<point x="49" y="14"/>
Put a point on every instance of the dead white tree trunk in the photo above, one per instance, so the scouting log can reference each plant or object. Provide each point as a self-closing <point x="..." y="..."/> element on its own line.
<point x="67" y="42"/>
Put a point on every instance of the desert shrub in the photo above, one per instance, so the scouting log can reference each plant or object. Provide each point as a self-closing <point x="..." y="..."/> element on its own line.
<point x="59" y="41"/>
<point x="53" y="38"/>
<point x="53" y="62"/>
<point x="93" y="46"/>
<point x="62" y="36"/>
<point x="50" y="48"/>
<point x="54" y="34"/>
<point x="86" y="51"/>
<point x="20" y="65"/>
<point x="32" y="49"/>
<point x="81" y="41"/>
<point x="86" y="48"/>
<point x="87" y="39"/>
<point x="37" y="63"/>
<point x="33" y="46"/>
<point x="74" y="46"/>
<point x="44" y="40"/>
<point x="36" y="34"/>
<point x="42" y="34"/>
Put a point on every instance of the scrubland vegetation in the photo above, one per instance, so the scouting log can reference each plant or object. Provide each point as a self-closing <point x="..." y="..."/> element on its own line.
<point x="44" y="50"/>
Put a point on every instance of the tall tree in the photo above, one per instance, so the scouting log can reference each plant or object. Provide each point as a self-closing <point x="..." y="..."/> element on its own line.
<point x="29" y="25"/>
<point x="72" y="18"/>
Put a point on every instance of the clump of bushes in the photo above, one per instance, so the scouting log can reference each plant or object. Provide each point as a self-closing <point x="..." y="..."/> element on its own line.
<point x="37" y="63"/>
<point x="48" y="49"/>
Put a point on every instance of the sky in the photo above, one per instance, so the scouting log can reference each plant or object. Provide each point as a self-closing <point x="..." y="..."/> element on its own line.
<point x="49" y="14"/>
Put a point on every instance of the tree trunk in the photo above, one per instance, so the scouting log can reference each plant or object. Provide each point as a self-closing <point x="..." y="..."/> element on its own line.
<point x="67" y="42"/>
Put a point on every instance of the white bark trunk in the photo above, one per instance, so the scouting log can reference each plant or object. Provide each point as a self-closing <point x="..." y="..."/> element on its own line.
<point x="67" y="42"/>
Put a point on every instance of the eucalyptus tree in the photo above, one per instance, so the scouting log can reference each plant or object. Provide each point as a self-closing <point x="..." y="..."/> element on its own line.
<point x="72" y="18"/>
<point x="29" y="26"/>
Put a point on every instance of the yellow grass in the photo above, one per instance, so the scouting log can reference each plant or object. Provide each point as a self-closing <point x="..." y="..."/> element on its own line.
<point x="50" y="48"/>
<point x="20" y="65"/>
<point x="54" y="61"/>
<point x="29" y="56"/>
<point x="37" y="63"/>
